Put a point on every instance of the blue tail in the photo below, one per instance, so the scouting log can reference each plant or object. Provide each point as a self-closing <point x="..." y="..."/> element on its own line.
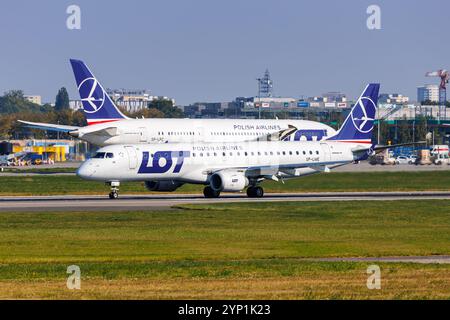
<point x="359" y="123"/>
<point x="97" y="105"/>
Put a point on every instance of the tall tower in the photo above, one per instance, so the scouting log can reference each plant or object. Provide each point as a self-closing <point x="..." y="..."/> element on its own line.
<point x="444" y="75"/>
<point x="266" y="85"/>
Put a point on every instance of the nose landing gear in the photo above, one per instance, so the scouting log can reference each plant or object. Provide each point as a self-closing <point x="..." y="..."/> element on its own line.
<point x="114" y="194"/>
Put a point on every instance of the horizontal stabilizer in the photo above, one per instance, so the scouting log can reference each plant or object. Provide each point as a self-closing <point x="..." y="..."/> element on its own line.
<point x="379" y="148"/>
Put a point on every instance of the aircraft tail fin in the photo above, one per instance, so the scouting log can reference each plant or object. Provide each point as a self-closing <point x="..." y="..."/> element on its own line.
<point x="358" y="125"/>
<point x="97" y="105"/>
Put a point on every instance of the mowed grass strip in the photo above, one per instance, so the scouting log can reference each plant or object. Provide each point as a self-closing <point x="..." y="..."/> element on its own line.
<point x="229" y="232"/>
<point x="227" y="251"/>
<point x="332" y="182"/>
<point x="307" y="281"/>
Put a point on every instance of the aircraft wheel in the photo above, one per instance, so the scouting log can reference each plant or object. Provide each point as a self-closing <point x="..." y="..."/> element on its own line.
<point x="208" y="192"/>
<point x="259" y="192"/>
<point x="114" y="195"/>
<point x="255" y="192"/>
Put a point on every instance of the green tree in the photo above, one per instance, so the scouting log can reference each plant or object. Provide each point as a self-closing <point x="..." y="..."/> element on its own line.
<point x="147" y="113"/>
<point x="404" y="131"/>
<point x="62" y="100"/>
<point x="167" y="108"/>
<point x="421" y="128"/>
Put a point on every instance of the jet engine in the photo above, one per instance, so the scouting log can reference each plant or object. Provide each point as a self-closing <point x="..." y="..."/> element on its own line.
<point x="228" y="181"/>
<point x="163" y="186"/>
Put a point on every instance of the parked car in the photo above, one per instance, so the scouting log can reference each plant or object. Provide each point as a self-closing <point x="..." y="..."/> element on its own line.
<point x="402" y="160"/>
<point x="412" y="159"/>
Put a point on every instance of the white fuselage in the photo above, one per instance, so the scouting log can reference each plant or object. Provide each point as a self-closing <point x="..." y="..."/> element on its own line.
<point x="147" y="131"/>
<point x="195" y="162"/>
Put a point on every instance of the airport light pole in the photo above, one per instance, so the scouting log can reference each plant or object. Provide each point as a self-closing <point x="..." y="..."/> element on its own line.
<point x="379" y="125"/>
<point x="259" y="97"/>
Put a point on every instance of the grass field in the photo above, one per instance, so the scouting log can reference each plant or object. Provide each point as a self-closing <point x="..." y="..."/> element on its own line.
<point x="357" y="181"/>
<point x="227" y="251"/>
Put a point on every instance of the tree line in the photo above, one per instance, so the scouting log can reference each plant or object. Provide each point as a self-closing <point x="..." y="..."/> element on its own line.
<point x="14" y="106"/>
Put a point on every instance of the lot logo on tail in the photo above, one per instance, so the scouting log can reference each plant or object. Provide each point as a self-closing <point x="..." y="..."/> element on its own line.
<point x="92" y="95"/>
<point x="363" y="115"/>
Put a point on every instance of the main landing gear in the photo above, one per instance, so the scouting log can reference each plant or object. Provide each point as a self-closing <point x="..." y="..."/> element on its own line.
<point x="255" y="192"/>
<point x="209" y="192"/>
<point x="252" y="192"/>
<point x="114" y="194"/>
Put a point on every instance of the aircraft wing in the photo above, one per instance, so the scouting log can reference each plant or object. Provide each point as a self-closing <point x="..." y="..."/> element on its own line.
<point x="72" y="130"/>
<point x="109" y="132"/>
<point x="273" y="172"/>
<point x="49" y="126"/>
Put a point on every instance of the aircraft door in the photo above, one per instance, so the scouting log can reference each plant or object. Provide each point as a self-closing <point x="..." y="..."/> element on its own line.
<point x="200" y="133"/>
<point x="326" y="151"/>
<point x="143" y="134"/>
<point x="132" y="157"/>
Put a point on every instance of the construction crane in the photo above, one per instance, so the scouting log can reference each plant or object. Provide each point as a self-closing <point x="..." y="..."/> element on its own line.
<point x="444" y="76"/>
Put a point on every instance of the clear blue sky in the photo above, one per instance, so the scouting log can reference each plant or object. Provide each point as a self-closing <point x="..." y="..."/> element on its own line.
<point x="207" y="50"/>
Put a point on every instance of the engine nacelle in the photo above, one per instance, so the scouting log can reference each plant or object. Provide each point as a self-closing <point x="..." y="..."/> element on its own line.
<point x="228" y="181"/>
<point x="163" y="186"/>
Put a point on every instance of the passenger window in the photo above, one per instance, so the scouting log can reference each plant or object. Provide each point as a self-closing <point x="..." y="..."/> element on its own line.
<point x="317" y="152"/>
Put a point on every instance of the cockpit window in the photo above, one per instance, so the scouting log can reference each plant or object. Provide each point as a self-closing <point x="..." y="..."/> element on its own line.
<point x="99" y="155"/>
<point x="109" y="155"/>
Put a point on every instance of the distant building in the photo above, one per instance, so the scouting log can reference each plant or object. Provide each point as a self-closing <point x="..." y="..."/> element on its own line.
<point x="133" y="100"/>
<point x="130" y="100"/>
<point x="34" y="99"/>
<point x="334" y="97"/>
<point x="211" y="110"/>
<point x="428" y="93"/>
<point x="329" y="100"/>
<point x="393" y="98"/>
<point x="272" y="102"/>
<point x="75" y="105"/>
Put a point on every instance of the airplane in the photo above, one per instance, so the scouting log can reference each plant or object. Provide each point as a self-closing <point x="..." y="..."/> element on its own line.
<point x="107" y="125"/>
<point x="235" y="166"/>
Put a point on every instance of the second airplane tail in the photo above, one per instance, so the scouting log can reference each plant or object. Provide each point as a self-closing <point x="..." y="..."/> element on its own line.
<point x="358" y="125"/>
<point x="97" y="105"/>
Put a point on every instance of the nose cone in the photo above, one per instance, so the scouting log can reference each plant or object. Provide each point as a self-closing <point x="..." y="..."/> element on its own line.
<point x="86" y="170"/>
